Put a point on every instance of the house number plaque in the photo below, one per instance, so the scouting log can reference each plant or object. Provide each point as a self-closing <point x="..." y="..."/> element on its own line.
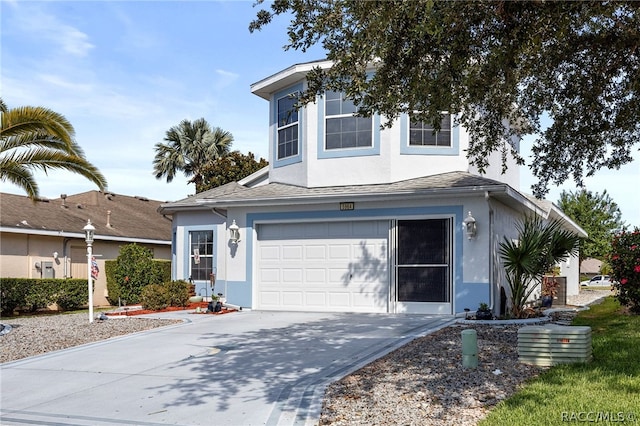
<point x="347" y="206"/>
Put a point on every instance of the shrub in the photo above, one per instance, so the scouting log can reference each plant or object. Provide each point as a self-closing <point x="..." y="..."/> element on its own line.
<point x="625" y="264"/>
<point x="177" y="293"/>
<point x="539" y="247"/>
<point x="72" y="294"/>
<point x="135" y="269"/>
<point x="154" y="297"/>
<point x="32" y="294"/>
<point x="12" y="293"/>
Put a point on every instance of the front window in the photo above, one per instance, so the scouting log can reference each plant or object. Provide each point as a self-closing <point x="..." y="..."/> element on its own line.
<point x="287" y="126"/>
<point x="422" y="133"/>
<point x="201" y="254"/>
<point x="343" y="129"/>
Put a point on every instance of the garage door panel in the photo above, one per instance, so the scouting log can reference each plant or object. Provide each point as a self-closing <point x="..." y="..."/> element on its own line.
<point x="315" y="252"/>
<point x="341" y="266"/>
<point x="339" y="252"/>
<point x="292" y="275"/>
<point x="316" y="298"/>
<point x="339" y="300"/>
<point x="269" y="276"/>
<point x="293" y="252"/>
<point x="269" y="252"/>
<point x="292" y="298"/>
<point x="314" y="276"/>
<point x="270" y="298"/>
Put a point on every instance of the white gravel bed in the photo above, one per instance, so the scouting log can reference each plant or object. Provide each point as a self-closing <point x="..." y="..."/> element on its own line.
<point x="35" y="335"/>
<point x="423" y="383"/>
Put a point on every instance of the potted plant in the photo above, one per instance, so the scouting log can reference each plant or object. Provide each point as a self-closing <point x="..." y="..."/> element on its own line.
<point x="484" y="312"/>
<point x="549" y="291"/>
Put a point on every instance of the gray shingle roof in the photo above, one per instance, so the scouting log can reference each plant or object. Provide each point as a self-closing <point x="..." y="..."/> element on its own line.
<point x="131" y="217"/>
<point x="233" y="193"/>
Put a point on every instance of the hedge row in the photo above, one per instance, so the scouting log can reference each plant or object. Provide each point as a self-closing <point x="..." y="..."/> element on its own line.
<point x="32" y="294"/>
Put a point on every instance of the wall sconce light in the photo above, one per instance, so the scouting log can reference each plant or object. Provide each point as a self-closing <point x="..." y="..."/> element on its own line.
<point x="235" y="233"/>
<point x="55" y="254"/>
<point x="469" y="226"/>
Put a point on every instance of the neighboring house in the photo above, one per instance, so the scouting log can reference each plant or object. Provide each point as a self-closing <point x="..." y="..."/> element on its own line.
<point x="349" y="217"/>
<point x="590" y="267"/>
<point x="45" y="239"/>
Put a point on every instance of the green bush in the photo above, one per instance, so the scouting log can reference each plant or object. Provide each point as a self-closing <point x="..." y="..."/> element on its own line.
<point x="154" y="297"/>
<point x="31" y="294"/>
<point x="625" y="263"/>
<point x="134" y="270"/>
<point x="13" y="293"/>
<point x="113" y="288"/>
<point x="72" y="294"/>
<point x="177" y="293"/>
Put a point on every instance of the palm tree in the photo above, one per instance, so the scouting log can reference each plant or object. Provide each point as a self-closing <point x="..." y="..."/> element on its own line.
<point x="539" y="247"/>
<point x="36" y="138"/>
<point x="190" y="147"/>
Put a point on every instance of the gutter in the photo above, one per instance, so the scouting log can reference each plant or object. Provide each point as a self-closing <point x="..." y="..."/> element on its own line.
<point x="75" y="235"/>
<point x="307" y="199"/>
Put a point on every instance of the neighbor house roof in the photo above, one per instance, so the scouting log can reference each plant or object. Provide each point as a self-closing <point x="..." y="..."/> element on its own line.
<point x="445" y="184"/>
<point x="115" y="217"/>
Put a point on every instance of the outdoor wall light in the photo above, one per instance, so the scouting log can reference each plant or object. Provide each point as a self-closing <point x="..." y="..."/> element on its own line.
<point x="469" y="226"/>
<point x="55" y="254"/>
<point x="235" y="233"/>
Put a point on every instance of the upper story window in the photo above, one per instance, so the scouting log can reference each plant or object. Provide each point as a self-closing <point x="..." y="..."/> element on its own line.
<point x="422" y="133"/>
<point x="342" y="128"/>
<point x="287" y="127"/>
<point x="201" y="254"/>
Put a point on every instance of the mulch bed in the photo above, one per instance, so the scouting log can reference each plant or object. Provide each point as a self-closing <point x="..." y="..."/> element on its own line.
<point x="191" y="306"/>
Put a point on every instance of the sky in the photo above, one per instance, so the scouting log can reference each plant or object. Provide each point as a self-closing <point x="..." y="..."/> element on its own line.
<point x="124" y="72"/>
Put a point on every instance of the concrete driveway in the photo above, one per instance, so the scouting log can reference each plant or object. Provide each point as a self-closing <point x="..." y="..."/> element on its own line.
<point x="244" y="368"/>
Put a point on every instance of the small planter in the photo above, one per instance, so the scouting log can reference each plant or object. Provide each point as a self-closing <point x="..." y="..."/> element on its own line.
<point x="547" y="301"/>
<point x="484" y="314"/>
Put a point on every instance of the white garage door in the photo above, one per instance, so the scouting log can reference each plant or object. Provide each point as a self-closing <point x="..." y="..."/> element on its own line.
<point x="324" y="267"/>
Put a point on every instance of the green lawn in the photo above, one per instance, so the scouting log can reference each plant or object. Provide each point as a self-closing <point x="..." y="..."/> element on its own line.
<point x="604" y="391"/>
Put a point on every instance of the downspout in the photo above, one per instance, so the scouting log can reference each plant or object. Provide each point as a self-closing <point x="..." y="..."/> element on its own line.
<point x="487" y="198"/>
<point x="65" y="241"/>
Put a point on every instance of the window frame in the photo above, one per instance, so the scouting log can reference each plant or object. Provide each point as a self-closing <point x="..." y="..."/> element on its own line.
<point x="405" y="139"/>
<point x="275" y="122"/>
<point x="192" y="255"/>
<point x="324" y="152"/>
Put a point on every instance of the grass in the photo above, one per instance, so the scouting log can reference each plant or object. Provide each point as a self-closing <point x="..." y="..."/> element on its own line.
<point x="605" y="391"/>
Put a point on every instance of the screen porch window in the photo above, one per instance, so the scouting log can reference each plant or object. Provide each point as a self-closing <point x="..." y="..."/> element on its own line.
<point x="342" y="128"/>
<point x="422" y="133"/>
<point x="201" y="254"/>
<point x="287" y="126"/>
<point x="424" y="260"/>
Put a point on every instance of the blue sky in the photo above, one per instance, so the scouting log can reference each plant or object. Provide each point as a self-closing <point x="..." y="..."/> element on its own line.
<point x="124" y="72"/>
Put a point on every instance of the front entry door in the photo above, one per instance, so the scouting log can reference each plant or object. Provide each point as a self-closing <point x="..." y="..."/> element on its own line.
<point x="423" y="266"/>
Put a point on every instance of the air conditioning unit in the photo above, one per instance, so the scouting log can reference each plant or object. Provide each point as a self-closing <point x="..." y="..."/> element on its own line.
<point x="552" y="344"/>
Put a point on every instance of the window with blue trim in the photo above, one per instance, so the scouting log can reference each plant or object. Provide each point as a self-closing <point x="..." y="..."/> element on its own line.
<point x="287" y="126"/>
<point x="342" y="128"/>
<point x="201" y="254"/>
<point x="422" y="133"/>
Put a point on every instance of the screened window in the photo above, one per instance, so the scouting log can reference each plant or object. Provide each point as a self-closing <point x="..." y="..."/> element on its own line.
<point x="424" y="260"/>
<point x="342" y="129"/>
<point x="201" y="254"/>
<point x="287" y="126"/>
<point x="422" y="133"/>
